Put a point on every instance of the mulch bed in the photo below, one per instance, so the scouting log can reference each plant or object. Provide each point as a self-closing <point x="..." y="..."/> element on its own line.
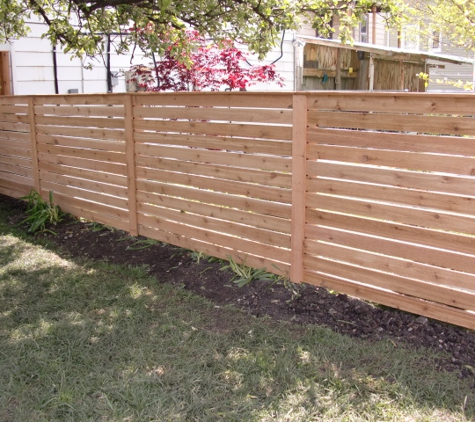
<point x="296" y="304"/>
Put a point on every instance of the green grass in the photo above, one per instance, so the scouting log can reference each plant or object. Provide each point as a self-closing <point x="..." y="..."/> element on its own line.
<point x="96" y="342"/>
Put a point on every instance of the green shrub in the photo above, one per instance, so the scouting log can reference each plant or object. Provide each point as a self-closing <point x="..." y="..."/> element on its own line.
<point x="41" y="212"/>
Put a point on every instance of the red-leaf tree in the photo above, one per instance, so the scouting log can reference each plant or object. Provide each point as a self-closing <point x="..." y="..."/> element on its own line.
<point x="204" y="66"/>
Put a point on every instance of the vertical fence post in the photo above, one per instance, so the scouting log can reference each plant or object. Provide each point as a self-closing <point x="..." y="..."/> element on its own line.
<point x="34" y="145"/>
<point x="130" y="160"/>
<point x="299" y="175"/>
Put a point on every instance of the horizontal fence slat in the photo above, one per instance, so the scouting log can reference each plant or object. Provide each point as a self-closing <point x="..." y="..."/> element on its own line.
<point x="16" y="152"/>
<point x="276" y="226"/>
<point x="214" y="224"/>
<point x="442" y="183"/>
<point x="195" y="206"/>
<point x="100" y="213"/>
<point x="88" y="195"/>
<point x="91" y="100"/>
<point x="250" y="247"/>
<point x="101" y="166"/>
<point x="268" y="193"/>
<point x="14" y="136"/>
<point x="455" y="242"/>
<point x="80" y="132"/>
<point x="388" y="122"/>
<point x="423" y="290"/>
<point x="19" y="179"/>
<point x="424" y="199"/>
<point x="220" y="129"/>
<point x="14" y="100"/>
<point x="89" y="154"/>
<point x="80" y="110"/>
<point x="15" y="118"/>
<point x="15" y="189"/>
<point x="270" y="178"/>
<point x="15" y="143"/>
<point x="448" y="145"/>
<point x="243" y="99"/>
<point x="395" y="248"/>
<point x="15" y="169"/>
<point x="16" y="161"/>
<point x="81" y="122"/>
<point x="84" y="173"/>
<point x="215" y="250"/>
<point x="152" y="152"/>
<point x="276" y="116"/>
<point x="103" y="144"/>
<point x="13" y="109"/>
<point x="241" y="202"/>
<point x="403" y="103"/>
<point x="431" y="219"/>
<point x="271" y="147"/>
<point x="409" y="304"/>
<point x="398" y="159"/>
<point x="91" y="185"/>
<point x="14" y="127"/>
<point x="397" y="266"/>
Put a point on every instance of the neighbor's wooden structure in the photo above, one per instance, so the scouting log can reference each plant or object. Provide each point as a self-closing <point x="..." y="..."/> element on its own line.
<point x="332" y="65"/>
<point x="342" y="68"/>
<point x="369" y="194"/>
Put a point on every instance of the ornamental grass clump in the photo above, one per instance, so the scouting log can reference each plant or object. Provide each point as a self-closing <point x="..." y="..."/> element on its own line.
<point x="41" y="212"/>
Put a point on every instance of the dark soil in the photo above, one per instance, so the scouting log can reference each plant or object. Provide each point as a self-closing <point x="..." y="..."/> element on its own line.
<point x="297" y="304"/>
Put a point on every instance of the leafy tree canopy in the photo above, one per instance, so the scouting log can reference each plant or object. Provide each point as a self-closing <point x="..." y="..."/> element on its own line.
<point x="453" y="19"/>
<point x="80" y="25"/>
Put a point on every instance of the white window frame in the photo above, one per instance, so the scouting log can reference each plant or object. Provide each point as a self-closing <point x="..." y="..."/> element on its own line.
<point x="364" y="29"/>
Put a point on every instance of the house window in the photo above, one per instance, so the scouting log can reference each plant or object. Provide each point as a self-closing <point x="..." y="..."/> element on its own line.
<point x="364" y="29"/>
<point x="435" y="42"/>
<point x="410" y="38"/>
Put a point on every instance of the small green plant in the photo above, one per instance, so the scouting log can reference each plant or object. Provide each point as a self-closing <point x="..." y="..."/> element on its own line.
<point x="96" y="227"/>
<point x="142" y="244"/>
<point x="41" y="212"/>
<point x="243" y="275"/>
<point x="197" y="256"/>
<point x="179" y="252"/>
<point x="99" y="227"/>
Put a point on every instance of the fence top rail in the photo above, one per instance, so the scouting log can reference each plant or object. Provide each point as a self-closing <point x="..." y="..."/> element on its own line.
<point x="258" y="99"/>
<point x="256" y="93"/>
<point x="167" y="93"/>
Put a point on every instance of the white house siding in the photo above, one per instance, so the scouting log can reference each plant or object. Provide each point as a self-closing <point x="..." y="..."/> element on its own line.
<point x="440" y="78"/>
<point x="392" y="39"/>
<point x="307" y="30"/>
<point x="32" y="67"/>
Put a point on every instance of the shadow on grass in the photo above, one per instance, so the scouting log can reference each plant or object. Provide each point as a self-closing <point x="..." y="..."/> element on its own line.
<point x="98" y="342"/>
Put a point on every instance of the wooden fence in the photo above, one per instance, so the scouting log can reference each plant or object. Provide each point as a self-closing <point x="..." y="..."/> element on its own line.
<point x="369" y="194"/>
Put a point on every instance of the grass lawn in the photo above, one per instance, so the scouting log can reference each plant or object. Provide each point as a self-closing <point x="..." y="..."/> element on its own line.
<point x="94" y="342"/>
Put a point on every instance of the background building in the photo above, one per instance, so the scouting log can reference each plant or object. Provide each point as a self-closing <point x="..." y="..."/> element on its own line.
<point x="378" y="60"/>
